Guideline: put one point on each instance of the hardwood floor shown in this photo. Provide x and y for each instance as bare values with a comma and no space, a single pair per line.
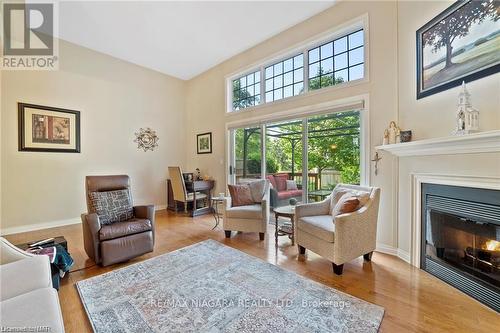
414,301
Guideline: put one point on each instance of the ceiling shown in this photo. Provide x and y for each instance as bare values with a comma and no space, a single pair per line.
182,39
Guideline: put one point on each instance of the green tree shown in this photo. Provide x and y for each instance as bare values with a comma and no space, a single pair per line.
323,79
458,25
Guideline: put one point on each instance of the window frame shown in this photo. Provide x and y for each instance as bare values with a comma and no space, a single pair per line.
338,32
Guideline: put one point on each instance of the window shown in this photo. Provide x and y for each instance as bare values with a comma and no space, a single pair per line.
246,91
285,78
338,61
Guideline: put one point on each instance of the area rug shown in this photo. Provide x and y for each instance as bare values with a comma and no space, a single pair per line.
209,287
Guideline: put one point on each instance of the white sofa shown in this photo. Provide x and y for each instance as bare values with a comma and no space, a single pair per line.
27,299
339,238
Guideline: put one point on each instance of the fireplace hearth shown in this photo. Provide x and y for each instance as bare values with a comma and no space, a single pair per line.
461,239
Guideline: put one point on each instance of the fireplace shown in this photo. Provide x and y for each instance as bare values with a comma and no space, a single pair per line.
461,239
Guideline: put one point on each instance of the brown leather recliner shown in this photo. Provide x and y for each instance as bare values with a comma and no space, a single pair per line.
119,241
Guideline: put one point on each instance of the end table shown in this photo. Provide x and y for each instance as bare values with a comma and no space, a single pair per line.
288,212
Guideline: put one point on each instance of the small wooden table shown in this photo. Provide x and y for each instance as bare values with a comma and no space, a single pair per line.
289,212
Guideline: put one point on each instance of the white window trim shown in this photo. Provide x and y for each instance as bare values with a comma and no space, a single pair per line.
361,22
304,112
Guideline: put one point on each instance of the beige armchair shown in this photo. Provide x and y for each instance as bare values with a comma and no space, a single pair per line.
343,237
251,218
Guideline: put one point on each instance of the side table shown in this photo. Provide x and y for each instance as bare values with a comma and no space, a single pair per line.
288,212
216,202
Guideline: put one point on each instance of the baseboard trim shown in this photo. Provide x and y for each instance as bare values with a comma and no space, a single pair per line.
387,249
393,251
403,255
39,226
52,224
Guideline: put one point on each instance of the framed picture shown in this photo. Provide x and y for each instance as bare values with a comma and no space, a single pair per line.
460,44
204,143
48,129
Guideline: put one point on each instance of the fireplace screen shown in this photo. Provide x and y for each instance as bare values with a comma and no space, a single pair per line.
469,246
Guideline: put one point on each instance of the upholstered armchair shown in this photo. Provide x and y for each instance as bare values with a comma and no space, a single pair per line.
343,237
111,243
249,218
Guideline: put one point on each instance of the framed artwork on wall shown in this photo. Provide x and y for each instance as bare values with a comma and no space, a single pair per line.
204,143
460,44
48,129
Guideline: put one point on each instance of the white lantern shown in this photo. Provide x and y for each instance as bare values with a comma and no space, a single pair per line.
467,118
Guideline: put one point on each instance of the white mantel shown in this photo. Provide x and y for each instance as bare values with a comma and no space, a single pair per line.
483,142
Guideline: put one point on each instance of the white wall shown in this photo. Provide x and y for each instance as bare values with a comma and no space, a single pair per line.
115,98
205,103
434,116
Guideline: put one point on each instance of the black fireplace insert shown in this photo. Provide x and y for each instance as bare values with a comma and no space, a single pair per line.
461,239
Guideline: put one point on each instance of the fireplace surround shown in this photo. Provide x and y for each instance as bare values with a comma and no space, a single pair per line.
460,239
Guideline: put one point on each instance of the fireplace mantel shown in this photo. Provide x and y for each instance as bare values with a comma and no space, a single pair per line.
483,142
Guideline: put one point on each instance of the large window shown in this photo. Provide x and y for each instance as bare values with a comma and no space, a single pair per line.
333,155
336,61
246,91
285,78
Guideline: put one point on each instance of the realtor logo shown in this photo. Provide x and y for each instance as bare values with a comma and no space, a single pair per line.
28,36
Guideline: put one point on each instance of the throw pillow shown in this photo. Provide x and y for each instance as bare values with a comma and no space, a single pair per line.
281,182
291,185
257,190
240,195
112,206
335,197
346,204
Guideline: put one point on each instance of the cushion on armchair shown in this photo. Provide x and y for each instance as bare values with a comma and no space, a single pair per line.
241,195
112,206
257,190
280,180
346,201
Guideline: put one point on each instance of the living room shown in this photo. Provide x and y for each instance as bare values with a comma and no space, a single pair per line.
336,168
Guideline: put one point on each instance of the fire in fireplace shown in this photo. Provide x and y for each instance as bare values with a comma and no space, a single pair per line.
461,239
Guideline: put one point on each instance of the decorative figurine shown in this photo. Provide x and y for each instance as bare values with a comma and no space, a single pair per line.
467,118
198,174
391,134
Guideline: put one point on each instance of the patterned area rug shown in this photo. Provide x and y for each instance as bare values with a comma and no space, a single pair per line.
209,287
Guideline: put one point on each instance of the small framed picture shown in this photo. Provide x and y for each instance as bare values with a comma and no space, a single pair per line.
204,143
48,129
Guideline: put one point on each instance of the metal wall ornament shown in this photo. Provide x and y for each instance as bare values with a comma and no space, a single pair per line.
146,139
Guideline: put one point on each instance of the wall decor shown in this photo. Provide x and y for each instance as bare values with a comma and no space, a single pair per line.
48,129
460,44
146,139
467,118
204,143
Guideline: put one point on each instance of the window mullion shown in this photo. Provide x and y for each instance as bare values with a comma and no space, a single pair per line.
306,70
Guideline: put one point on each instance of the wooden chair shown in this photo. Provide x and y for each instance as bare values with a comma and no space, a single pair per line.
180,192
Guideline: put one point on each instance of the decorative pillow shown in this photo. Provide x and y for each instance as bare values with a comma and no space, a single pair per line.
348,203
112,206
271,180
257,190
291,185
240,195
281,182
335,197
363,198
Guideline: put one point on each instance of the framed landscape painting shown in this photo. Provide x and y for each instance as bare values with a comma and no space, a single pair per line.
460,44
204,143
48,129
